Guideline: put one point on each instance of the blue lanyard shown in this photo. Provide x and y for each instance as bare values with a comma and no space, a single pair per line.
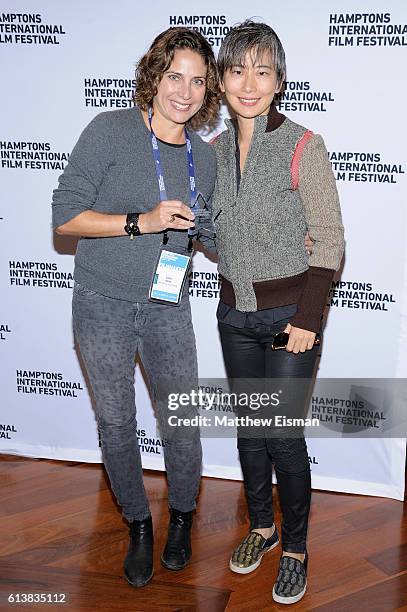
160,173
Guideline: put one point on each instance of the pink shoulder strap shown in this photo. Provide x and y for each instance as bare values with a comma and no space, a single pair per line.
295,161
214,139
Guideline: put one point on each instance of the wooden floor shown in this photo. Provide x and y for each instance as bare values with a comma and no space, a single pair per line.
61,532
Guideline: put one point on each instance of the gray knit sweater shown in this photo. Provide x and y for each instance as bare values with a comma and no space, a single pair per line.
261,226
111,170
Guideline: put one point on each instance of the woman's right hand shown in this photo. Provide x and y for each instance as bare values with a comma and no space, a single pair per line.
168,214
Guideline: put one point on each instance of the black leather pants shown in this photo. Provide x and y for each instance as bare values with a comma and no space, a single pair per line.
247,354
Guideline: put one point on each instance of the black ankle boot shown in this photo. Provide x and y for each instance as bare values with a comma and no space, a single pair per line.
177,551
138,565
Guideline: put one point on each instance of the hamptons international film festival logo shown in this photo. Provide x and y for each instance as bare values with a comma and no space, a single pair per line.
29,29
345,411
42,274
358,295
34,382
148,444
108,92
365,30
213,27
31,156
364,167
361,407
301,96
204,285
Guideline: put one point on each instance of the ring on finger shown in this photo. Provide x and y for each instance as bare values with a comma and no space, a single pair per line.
172,218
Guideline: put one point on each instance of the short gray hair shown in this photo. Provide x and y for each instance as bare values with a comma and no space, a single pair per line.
248,36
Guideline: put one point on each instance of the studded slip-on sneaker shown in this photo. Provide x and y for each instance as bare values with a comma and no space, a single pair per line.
291,582
248,555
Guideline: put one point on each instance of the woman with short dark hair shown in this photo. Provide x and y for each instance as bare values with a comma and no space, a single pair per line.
274,181
127,191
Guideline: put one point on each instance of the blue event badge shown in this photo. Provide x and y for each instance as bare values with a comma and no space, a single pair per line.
169,276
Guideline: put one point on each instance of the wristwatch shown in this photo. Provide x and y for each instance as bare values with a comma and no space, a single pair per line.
131,228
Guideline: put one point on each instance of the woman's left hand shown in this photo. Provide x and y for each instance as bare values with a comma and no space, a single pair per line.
309,243
300,340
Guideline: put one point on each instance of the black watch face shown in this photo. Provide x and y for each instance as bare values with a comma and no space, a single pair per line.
134,229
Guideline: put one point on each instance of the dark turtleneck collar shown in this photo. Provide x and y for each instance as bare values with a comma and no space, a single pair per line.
275,119
262,123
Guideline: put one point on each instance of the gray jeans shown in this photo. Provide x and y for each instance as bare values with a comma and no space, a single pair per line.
110,332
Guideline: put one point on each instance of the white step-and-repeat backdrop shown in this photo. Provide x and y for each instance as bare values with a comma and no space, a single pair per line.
64,62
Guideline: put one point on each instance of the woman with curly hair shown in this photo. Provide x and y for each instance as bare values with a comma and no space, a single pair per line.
127,193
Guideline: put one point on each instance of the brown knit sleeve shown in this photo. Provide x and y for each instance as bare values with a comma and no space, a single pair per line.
311,304
319,196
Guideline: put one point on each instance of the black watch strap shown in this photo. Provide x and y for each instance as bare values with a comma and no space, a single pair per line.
131,228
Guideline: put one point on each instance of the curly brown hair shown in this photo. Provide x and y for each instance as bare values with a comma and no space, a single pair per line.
152,66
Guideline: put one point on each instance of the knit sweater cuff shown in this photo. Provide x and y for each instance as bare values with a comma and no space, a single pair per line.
312,302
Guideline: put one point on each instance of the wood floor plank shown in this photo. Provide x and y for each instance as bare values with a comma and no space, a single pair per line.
60,528
375,516
392,560
386,596
98,591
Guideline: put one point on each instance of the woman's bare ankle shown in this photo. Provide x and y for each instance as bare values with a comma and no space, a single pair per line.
266,532
299,556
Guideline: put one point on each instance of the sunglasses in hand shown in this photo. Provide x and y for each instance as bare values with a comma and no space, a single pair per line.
281,340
